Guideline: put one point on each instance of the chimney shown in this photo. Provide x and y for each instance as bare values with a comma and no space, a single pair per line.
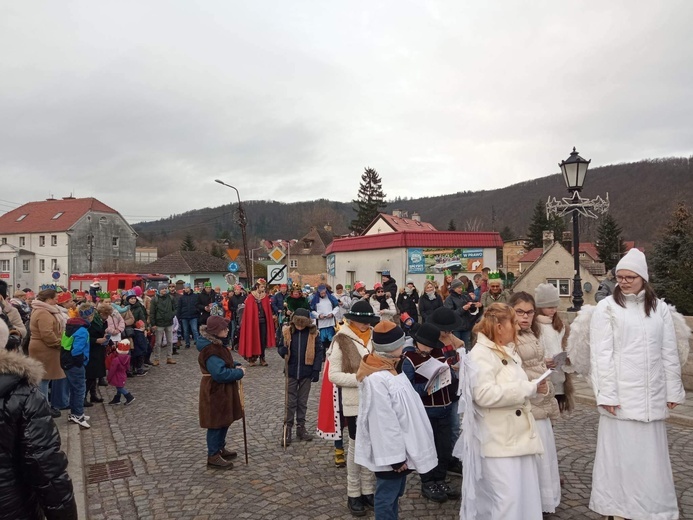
547,237
69,198
567,241
397,213
415,216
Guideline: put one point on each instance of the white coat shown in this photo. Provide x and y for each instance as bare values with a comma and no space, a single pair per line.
344,380
392,425
501,393
635,361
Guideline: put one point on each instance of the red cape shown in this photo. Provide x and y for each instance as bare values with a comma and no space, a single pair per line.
329,426
249,342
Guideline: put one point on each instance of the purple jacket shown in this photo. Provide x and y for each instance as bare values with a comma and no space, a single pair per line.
116,373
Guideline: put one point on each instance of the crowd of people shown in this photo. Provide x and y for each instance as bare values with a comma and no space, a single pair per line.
463,378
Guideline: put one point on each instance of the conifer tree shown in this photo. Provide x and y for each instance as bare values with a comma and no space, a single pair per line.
369,202
452,226
609,244
540,223
506,233
188,243
671,261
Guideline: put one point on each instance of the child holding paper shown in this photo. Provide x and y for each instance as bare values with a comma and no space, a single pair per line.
544,406
422,364
553,337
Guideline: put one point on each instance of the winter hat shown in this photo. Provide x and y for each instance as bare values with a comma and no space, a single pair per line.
302,312
85,313
139,325
137,290
80,295
362,312
130,294
387,337
386,273
322,287
377,286
546,295
634,260
410,281
216,324
404,317
446,319
186,286
63,297
429,335
359,285
162,287
456,283
151,292
124,346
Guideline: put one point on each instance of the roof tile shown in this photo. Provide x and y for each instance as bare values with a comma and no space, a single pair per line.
39,215
416,239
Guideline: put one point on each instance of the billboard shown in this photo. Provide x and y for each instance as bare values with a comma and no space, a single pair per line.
438,260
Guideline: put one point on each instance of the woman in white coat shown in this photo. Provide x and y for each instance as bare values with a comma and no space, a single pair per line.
506,487
636,375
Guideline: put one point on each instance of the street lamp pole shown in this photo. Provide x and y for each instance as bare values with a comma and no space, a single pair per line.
574,170
242,222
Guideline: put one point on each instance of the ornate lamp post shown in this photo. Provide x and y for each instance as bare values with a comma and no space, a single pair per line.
574,170
242,221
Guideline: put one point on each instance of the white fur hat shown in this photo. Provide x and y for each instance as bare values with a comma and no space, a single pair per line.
546,295
634,260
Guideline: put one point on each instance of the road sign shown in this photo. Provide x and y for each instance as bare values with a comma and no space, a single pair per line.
55,275
233,267
233,253
277,274
230,279
277,255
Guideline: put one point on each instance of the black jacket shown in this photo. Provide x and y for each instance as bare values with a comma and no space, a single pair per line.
187,306
33,471
408,303
203,300
391,287
456,302
427,306
139,312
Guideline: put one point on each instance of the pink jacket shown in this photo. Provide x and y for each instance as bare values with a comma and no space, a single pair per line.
116,372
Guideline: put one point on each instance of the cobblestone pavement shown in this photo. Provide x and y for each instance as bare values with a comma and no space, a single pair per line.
159,439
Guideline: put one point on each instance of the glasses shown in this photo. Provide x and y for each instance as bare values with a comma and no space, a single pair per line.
524,313
379,291
626,279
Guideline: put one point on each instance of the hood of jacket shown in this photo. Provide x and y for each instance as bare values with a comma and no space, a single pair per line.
73,324
15,366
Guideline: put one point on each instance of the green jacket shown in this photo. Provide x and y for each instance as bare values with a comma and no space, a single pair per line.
161,311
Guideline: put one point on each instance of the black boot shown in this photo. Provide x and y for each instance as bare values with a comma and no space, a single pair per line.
94,398
102,382
355,506
87,404
129,398
115,400
368,501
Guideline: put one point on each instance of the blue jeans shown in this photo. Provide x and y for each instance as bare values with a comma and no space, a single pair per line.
216,440
454,423
464,335
189,327
387,493
60,393
43,388
78,388
122,391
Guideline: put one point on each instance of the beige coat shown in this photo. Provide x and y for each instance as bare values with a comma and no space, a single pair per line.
501,394
345,355
532,354
44,345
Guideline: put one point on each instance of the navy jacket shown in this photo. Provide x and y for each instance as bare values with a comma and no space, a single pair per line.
297,367
187,306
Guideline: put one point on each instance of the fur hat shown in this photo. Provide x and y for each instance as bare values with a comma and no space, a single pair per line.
387,337
215,324
124,346
546,295
301,312
634,260
362,312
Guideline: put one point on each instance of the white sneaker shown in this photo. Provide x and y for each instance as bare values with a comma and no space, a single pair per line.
82,420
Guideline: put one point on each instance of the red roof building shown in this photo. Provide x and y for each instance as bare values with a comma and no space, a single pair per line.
398,221
49,215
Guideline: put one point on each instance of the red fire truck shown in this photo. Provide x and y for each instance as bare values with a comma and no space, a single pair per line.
114,281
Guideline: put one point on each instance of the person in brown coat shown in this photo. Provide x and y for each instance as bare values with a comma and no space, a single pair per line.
47,324
220,402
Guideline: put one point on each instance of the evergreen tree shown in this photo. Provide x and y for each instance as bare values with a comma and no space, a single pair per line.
369,202
188,243
217,251
452,226
671,261
506,233
609,244
540,223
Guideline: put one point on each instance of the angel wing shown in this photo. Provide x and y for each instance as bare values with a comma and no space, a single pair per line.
578,347
683,334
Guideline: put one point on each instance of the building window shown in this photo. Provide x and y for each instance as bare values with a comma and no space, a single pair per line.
42,240
42,265
26,266
54,264
563,285
115,242
350,279
54,240
293,264
5,266
22,241
3,240
103,220
57,215
20,218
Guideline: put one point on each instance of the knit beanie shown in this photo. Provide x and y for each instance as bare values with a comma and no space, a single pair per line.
456,283
162,287
634,260
215,324
546,295
139,325
387,337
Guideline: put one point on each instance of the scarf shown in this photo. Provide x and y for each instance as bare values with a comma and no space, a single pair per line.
382,300
57,313
372,363
408,290
431,295
364,336
544,319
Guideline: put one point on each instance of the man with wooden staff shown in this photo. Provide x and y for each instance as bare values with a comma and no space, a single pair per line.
220,400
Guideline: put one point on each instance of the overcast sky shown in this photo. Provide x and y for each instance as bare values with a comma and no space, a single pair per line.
143,103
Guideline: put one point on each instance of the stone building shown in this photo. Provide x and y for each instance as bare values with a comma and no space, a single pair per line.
307,256
44,242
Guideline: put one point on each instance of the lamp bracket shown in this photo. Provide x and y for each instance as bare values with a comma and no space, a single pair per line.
585,207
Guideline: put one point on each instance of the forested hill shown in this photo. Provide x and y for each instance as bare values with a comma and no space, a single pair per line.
642,195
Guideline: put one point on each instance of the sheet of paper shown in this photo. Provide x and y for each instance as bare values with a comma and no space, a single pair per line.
442,380
560,359
542,377
430,368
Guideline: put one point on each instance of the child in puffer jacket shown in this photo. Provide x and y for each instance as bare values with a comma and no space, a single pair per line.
118,364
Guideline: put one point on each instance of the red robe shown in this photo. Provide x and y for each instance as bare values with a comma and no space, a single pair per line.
249,342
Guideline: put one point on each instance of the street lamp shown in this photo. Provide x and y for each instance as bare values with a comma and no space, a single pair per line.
574,170
242,221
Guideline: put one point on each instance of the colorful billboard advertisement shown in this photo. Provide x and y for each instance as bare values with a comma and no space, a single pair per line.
438,260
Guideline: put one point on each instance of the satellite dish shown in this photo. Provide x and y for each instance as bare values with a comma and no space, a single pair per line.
230,278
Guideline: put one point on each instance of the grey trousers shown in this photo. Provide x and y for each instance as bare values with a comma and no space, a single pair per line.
159,335
299,390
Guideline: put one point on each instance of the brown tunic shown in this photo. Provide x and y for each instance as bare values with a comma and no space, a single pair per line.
220,403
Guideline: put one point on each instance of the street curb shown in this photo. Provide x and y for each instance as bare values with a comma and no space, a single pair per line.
72,446
674,418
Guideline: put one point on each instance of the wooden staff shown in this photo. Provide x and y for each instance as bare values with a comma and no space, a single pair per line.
245,433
